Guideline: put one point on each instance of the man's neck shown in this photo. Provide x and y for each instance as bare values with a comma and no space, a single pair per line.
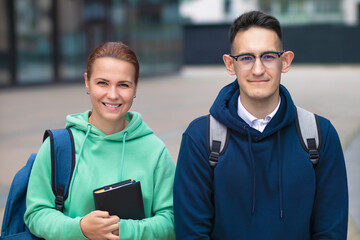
261,108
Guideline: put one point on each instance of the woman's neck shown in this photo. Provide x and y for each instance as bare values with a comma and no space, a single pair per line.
108,127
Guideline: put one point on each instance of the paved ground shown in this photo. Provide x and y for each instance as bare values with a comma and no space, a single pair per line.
169,103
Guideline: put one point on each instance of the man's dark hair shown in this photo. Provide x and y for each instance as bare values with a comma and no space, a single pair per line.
254,19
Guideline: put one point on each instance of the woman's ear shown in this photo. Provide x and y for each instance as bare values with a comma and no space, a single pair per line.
287,58
135,91
87,85
229,64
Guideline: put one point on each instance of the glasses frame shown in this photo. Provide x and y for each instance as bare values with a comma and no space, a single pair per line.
255,56
236,57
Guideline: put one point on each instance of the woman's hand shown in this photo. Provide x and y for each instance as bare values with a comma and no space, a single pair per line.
116,232
99,225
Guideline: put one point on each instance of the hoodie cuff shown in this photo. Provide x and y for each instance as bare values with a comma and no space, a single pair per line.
72,229
126,229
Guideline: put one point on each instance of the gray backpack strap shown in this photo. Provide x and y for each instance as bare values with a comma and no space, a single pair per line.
307,126
217,139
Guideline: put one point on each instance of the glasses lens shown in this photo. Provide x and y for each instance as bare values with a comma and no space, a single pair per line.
270,60
246,61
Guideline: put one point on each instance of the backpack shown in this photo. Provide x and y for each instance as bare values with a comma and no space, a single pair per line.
62,166
307,127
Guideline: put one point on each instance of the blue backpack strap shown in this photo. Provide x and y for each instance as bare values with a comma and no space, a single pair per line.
62,163
13,221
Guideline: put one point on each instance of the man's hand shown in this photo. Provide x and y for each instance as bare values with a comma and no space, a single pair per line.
99,225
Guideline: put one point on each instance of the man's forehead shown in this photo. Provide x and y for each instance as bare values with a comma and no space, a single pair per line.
256,39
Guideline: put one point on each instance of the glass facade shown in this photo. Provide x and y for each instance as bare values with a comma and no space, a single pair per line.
72,46
291,12
153,30
52,38
4,45
34,47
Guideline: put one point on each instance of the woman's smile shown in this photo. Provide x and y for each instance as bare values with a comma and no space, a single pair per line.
112,106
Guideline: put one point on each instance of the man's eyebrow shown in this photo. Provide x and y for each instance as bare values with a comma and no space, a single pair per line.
249,53
240,54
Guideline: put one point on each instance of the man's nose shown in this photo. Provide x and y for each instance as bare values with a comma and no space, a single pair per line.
258,67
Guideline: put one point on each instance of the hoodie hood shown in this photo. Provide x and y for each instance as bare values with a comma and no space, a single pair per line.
224,109
92,144
135,129
264,185
100,160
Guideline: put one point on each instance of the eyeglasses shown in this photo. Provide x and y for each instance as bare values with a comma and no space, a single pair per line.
246,61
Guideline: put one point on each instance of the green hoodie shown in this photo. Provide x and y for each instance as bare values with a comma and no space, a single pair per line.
134,153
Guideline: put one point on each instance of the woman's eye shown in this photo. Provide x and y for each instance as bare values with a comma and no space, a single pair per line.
102,83
124,85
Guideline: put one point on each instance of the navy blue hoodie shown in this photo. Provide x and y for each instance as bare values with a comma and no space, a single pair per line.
264,186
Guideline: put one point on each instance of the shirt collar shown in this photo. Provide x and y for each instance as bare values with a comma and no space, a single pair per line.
250,119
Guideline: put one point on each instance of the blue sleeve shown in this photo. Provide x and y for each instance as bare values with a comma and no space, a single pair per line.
330,212
193,208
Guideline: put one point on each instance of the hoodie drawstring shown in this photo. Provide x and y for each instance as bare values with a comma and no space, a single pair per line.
80,153
83,143
253,171
280,176
122,155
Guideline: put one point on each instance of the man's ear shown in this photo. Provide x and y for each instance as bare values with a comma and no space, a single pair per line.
87,85
287,58
229,64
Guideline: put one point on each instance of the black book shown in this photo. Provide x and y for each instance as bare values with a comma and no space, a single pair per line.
123,199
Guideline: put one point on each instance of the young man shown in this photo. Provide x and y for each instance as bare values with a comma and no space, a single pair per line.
264,185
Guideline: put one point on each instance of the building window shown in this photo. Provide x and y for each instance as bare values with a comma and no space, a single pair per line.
34,42
4,45
227,6
72,40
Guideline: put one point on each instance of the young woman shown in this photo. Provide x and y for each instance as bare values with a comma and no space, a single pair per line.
112,144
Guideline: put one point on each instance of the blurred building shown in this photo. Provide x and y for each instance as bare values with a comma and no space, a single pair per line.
289,12
318,31
43,41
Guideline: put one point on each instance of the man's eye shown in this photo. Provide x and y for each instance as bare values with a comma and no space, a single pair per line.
269,56
247,58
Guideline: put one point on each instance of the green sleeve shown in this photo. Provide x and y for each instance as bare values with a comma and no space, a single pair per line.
161,224
41,217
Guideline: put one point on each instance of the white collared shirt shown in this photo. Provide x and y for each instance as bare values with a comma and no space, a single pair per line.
256,123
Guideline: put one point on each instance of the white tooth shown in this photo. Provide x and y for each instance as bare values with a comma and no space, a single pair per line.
109,105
